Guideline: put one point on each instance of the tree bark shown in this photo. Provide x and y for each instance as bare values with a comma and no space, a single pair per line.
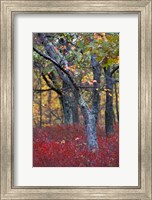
75,113
67,112
49,102
90,124
91,132
109,104
96,68
40,106
117,104
70,110
114,117
109,114
69,105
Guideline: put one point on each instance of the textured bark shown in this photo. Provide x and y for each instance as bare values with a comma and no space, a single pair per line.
109,114
67,112
91,132
40,106
117,104
70,110
109,103
49,102
69,105
75,113
96,67
114,117
90,124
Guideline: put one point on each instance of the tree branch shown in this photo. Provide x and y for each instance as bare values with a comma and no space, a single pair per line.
45,90
52,52
59,66
114,69
40,67
49,84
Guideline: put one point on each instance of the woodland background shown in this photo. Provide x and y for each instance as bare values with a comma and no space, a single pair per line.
76,99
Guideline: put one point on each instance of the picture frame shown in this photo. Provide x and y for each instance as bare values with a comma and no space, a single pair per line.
8,190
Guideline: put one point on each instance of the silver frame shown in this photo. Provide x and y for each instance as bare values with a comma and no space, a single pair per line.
8,10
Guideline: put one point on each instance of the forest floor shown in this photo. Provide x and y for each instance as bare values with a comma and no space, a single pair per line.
65,146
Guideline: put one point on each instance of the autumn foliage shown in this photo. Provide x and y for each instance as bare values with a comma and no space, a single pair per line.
56,147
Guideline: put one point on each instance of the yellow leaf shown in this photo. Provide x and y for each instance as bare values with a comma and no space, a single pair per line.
99,38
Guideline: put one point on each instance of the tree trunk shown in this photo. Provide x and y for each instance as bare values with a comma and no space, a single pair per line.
75,113
117,105
49,110
114,117
90,125
70,110
109,114
69,105
67,111
109,104
40,106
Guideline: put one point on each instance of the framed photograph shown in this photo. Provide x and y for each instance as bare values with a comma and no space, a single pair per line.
76,100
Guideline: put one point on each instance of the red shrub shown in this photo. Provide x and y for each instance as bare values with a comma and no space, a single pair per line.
65,146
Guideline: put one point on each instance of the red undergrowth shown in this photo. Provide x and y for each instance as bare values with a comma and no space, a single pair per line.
65,146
